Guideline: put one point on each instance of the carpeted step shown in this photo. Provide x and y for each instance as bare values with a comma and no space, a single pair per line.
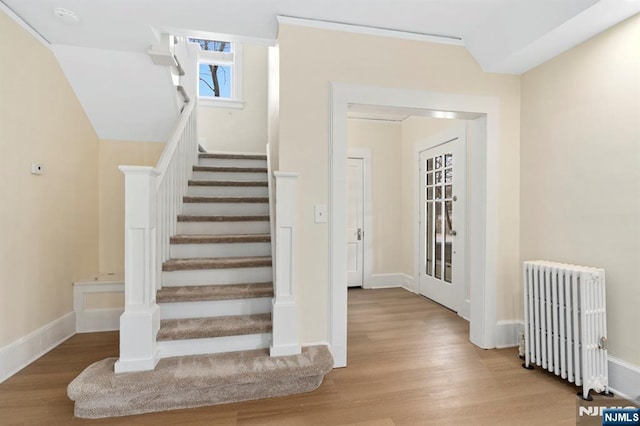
218,218
196,381
214,292
248,200
233,156
203,328
216,263
220,239
230,169
226,183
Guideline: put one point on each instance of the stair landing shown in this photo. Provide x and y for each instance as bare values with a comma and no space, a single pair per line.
196,381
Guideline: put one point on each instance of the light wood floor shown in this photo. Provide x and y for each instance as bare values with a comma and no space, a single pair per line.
410,363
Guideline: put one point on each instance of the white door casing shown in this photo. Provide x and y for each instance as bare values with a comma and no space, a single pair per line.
355,222
441,217
484,120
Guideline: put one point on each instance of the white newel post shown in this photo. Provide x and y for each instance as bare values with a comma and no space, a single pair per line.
285,312
140,321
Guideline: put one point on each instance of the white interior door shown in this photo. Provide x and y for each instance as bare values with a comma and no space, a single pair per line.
442,193
355,221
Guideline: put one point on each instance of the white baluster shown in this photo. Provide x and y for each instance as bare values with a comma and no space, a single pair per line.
285,313
140,321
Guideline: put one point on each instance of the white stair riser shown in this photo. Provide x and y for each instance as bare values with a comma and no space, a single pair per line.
230,176
216,276
214,345
185,251
215,308
225,209
228,191
229,162
223,228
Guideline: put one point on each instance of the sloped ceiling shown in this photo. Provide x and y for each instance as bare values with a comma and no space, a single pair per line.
504,36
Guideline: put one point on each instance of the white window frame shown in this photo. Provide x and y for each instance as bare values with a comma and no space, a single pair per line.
232,59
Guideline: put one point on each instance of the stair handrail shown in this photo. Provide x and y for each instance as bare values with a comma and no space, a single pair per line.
174,170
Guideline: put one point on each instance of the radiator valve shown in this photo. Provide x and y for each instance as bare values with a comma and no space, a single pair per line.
602,344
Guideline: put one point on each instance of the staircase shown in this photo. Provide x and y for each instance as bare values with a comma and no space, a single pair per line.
216,303
217,285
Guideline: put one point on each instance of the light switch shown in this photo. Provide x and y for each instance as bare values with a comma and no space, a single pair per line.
321,213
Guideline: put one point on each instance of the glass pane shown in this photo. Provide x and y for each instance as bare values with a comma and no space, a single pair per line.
429,178
437,240
438,192
448,191
438,161
429,193
448,175
438,177
213,45
430,164
429,232
218,87
448,241
448,160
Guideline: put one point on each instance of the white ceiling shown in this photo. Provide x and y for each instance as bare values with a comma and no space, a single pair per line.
136,100
503,35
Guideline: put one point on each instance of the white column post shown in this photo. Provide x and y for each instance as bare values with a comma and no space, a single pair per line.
285,312
140,321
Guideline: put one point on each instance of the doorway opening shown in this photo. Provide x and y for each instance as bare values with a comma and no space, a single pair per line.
482,115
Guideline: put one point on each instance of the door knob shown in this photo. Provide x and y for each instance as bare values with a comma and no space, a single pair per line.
453,232
359,234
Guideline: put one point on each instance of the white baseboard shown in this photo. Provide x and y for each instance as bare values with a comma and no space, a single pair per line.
17,355
508,333
390,281
409,283
624,379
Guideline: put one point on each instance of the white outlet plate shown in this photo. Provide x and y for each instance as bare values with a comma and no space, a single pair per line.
37,168
320,213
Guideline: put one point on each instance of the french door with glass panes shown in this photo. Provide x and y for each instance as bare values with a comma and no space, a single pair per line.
441,222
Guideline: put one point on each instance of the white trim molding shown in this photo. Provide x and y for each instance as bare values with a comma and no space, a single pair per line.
508,333
624,379
483,115
25,25
19,354
93,320
374,31
395,280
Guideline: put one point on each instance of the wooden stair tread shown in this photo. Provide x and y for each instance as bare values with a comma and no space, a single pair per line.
233,156
204,218
226,183
230,169
201,199
214,292
216,263
202,328
220,239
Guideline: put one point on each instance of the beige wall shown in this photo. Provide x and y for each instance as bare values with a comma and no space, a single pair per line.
240,130
580,169
309,60
383,138
111,189
49,236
